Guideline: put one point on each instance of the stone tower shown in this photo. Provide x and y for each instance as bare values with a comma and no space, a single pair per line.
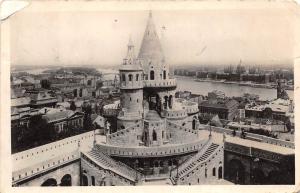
159,89
131,86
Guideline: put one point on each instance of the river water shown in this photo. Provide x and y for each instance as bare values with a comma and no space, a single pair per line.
185,83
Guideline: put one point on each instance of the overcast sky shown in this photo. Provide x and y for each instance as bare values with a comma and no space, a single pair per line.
206,36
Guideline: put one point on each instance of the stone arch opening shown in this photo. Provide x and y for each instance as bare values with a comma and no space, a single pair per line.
123,77
154,136
130,77
220,172
164,74
236,171
84,180
75,92
66,180
165,102
93,180
170,101
214,171
194,124
50,182
152,75
89,82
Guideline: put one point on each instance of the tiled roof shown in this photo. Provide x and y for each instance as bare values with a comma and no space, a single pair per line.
226,104
59,115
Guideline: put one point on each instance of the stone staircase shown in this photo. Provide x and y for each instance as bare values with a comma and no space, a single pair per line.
108,163
192,163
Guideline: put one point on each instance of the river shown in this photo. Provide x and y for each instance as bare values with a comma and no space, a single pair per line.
185,83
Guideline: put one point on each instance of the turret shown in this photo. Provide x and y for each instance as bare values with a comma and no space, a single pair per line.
131,86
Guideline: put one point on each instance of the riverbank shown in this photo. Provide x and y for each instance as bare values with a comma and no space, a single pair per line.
245,83
230,90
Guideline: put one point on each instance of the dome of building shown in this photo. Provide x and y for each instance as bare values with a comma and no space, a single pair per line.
152,116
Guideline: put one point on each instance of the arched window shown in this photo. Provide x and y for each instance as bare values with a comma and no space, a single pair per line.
130,77
194,124
151,75
214,172
123,77
220,170
154,136
164,74
137,77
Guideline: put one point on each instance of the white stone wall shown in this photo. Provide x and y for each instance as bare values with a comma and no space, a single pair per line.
72,169
197,176
132,101
181,134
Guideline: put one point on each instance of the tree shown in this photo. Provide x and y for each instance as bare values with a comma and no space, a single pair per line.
73,106
46,84
40,132
87,120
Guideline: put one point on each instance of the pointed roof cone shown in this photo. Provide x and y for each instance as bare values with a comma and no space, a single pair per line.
151,48
130,43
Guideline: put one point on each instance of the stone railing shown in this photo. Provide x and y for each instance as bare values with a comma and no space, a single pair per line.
131,84
160,83
195,157
45,166
54,146
253,136
190,107
196,165
173,125
160,151
123,131
107,163
174,114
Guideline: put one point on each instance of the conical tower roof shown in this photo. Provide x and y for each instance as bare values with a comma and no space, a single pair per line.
151,48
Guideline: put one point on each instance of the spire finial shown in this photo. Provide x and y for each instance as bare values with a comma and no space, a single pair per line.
130,41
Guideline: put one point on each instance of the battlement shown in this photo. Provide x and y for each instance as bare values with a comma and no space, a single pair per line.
160,83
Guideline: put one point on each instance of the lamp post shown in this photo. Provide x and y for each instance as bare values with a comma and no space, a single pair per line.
209,129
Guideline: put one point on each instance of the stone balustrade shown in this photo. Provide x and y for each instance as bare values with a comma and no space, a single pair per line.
160,151
46,149
160,83
175,126
174,114
105,162
195,164
123,131
45,166
252,136
131,84
190,107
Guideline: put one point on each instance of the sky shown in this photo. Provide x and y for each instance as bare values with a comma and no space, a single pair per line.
214,36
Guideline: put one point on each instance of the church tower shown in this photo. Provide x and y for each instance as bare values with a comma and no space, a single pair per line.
131,86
